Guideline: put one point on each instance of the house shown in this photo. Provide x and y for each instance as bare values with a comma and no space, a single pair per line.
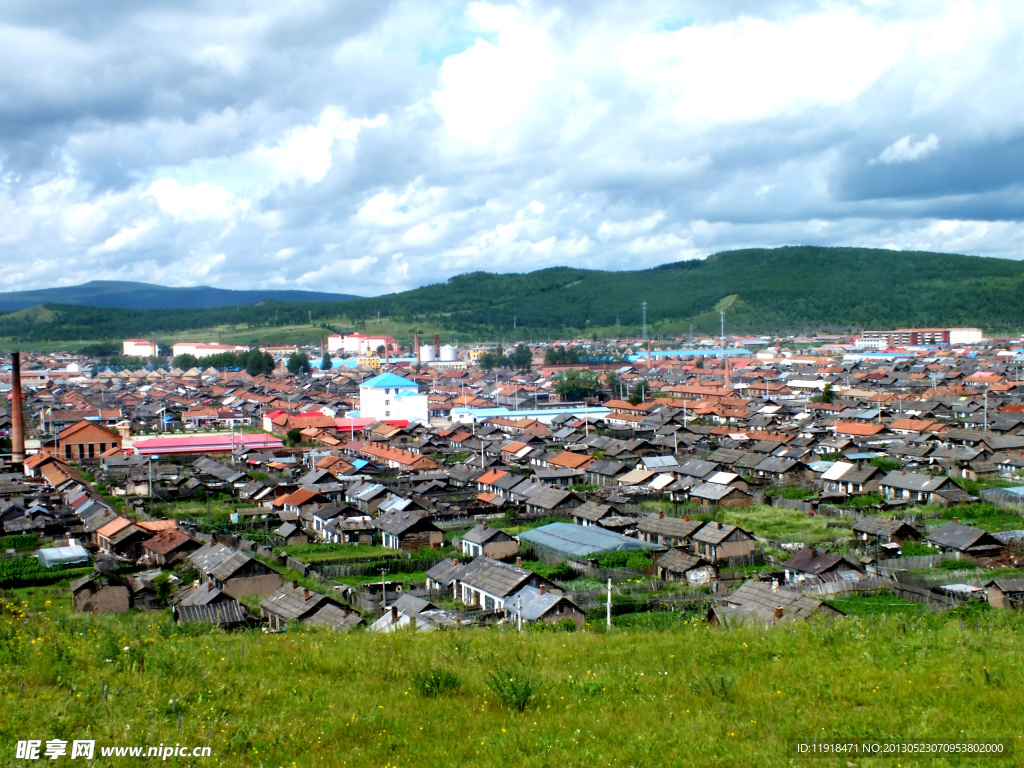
492,542
488,584
123,538
168,547
592,513
766,604
923,489
234,572
679,565
847,479
884,531
96,593
1005,592
423,615
668,531
389,396
718,494
809,562
720,543
441,577
962,540
294,603
533,604
291,535
227,614
552,501
85,441
408,531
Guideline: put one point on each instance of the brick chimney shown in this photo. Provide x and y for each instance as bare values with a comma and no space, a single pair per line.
778,612
394,614
519,562
305,594
543,589
718,525
661,515
813,551
686,519
483,526
956,519
295,585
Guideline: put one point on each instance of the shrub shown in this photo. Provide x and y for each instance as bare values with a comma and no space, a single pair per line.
515,686
714,685
915,549
436,682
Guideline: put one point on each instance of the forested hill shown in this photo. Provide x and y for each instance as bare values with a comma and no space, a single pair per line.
797,289
128,295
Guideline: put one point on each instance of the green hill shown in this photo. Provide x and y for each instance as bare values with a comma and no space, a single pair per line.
793,289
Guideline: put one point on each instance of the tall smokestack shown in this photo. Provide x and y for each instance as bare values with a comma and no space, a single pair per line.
437,345
17,416
416,343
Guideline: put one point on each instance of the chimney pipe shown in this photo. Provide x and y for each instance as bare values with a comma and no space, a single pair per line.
394,614
295,584
305,594
17,415
416,342
719,526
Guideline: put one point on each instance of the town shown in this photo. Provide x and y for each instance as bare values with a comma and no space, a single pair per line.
747,479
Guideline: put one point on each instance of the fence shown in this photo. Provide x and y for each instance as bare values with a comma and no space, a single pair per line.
395,565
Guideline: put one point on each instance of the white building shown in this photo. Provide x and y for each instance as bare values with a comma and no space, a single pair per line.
358,344
965,336
201,349
389,396
139,348
871,342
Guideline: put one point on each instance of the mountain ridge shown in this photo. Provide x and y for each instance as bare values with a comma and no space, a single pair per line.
125,294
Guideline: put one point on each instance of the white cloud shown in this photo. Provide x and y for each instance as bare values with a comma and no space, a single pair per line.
198,202
371,147
906,150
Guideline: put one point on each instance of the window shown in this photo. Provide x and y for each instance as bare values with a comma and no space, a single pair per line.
387,414
387,391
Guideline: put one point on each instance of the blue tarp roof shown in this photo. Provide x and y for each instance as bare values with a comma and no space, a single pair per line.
571,540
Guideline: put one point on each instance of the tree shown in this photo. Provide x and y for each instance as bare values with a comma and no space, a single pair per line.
636,396
269,366
186,361
828,395
521,358
254,362
327,364
298,363
576,384
294,436
490,360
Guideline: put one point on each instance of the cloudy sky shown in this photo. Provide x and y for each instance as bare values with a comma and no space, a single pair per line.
368,147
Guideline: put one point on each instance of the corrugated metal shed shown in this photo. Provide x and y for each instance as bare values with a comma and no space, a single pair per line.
570,540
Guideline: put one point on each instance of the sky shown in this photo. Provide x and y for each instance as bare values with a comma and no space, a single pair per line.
371,147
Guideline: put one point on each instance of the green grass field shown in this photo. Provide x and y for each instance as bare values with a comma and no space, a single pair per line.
677,692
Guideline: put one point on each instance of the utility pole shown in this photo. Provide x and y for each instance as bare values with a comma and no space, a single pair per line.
609,604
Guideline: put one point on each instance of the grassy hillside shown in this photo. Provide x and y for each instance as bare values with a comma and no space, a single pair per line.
689,695
796,289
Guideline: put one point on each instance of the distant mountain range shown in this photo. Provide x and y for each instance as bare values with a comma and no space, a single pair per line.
798,289
128,295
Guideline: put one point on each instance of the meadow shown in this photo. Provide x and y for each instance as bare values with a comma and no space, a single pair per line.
660,692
